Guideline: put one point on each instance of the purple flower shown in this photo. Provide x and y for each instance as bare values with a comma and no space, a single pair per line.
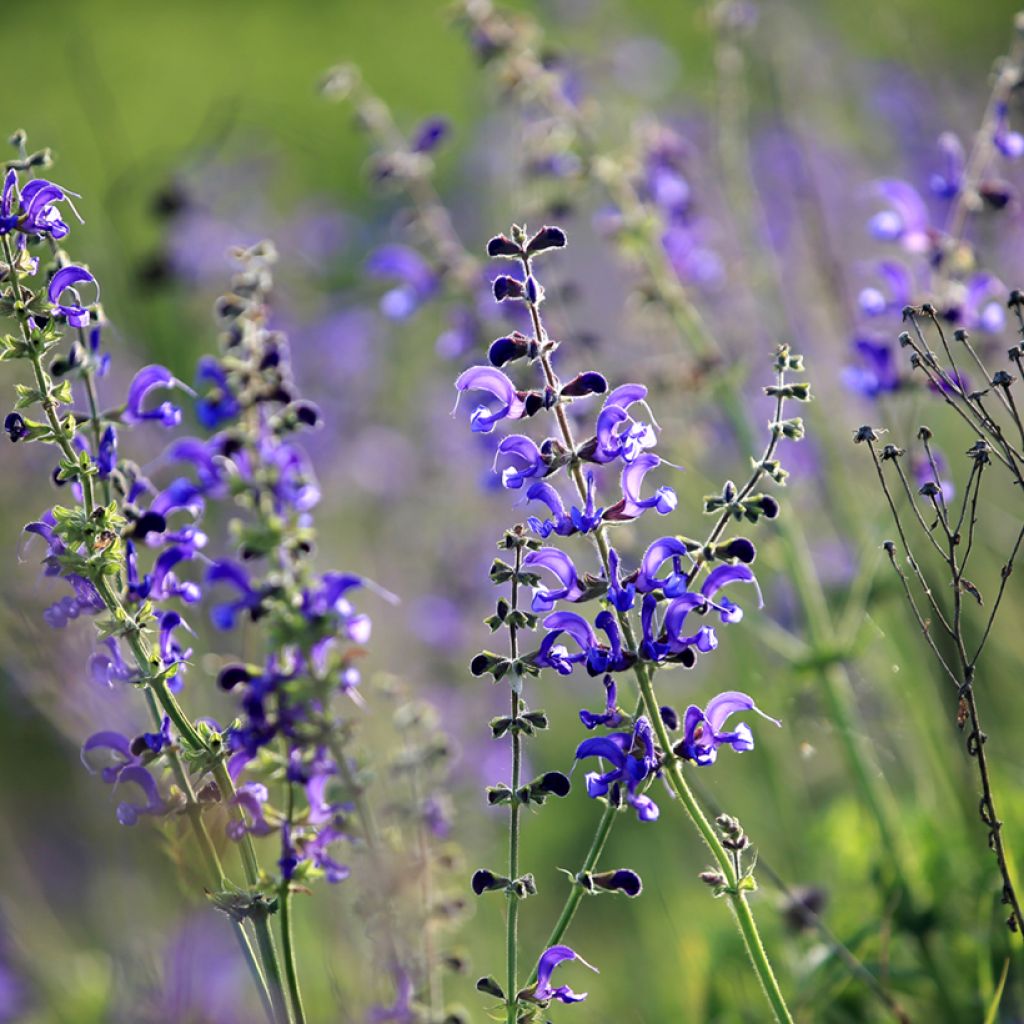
632,758
225,615
106,455
216,403
524,461
897,290
875,373
982,308
622,596
128,813
417,281
564,524
487,378
65,281
251,797
598,658
632,505
151,378
702,730
561,566
905,220
656,555
619,435
119,753
946,183
611,716
40,216
549,960
1008,142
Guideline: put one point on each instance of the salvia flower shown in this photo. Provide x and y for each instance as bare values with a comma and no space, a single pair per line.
487,378
633,760
703,729
64,296
543,991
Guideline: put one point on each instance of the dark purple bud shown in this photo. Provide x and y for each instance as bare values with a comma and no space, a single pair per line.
587,383
429,135
533,290
148,522
502,245
15,426
546,238
505,350
740,548
231,675
551,783
306,413
487,881
622,880
670,717
506,288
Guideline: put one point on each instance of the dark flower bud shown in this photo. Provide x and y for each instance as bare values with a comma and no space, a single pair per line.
924,433
534,291
486,662
490,986
960,335
889,547
670,717
996,194
506,350
546,238
739,548
499,794
764,504
147,523
487,881
1002,379
803,905
1016,299
891,452
506,288
903,338
502,245
535,401
715,879
231,675
15,426
929,489
548,784
622,880
587,383
306,413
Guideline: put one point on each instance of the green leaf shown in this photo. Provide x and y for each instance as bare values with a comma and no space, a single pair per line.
997,996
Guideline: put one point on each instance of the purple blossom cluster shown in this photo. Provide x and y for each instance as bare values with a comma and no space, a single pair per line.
607,474
134,554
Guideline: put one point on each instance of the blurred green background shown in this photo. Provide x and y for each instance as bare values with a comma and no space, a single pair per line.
141,101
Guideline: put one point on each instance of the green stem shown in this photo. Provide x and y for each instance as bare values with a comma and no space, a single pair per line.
604,828
250,865
287,937
512,924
